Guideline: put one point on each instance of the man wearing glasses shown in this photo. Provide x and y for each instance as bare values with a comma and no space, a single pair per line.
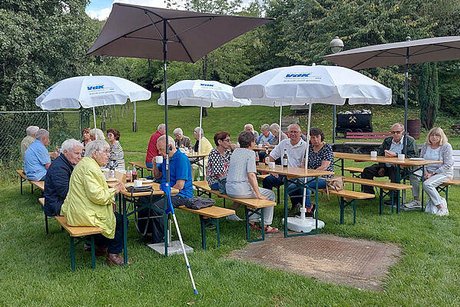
391,147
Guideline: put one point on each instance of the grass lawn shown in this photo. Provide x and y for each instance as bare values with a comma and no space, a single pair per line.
35,267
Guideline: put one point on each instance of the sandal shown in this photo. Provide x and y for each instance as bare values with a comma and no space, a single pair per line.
269,229
254,226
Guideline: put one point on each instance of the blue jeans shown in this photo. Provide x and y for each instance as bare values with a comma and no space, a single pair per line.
297,191
149,164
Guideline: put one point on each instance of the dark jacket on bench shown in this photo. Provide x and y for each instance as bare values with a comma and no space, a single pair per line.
57,185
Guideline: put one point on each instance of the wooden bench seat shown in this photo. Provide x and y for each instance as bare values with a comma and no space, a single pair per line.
348,198
23,178
79,232
251,205
212,214
445,187
38,184
383,186
354,169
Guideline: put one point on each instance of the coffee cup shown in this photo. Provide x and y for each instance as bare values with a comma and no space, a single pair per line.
401,157
137,183
373,154
159,159
271,165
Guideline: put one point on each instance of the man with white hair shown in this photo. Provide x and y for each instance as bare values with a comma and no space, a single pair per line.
180,178
36,158
28,139
182,141
58,176
152,150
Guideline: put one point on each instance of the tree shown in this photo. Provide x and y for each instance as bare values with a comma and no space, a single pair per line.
429,95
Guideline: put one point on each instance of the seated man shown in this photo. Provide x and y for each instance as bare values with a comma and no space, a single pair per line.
28,139
391,147
36,158
58,176
202,147
180,178
250,128
295,148
152,150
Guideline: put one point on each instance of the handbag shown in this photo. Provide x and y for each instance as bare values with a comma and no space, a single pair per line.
335,183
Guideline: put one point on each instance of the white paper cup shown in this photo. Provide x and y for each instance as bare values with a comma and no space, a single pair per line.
373,154
401,157
271,165
159,159
259,145
137,183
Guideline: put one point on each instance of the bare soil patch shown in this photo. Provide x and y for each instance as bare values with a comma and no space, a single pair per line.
359,263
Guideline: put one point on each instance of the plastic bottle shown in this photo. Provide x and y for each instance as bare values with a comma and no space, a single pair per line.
267,156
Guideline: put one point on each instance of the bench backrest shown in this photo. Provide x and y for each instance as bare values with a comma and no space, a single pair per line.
366,135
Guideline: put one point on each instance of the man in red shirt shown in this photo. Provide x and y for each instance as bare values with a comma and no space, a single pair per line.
152,150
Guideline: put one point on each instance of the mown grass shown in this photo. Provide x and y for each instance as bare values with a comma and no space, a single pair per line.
35,268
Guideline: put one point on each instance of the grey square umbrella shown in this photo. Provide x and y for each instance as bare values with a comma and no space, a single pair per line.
401,53
156,33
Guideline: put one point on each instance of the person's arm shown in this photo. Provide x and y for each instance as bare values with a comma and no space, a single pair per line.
156,171
252,178
97,193
47,165
447,159
382,147
179,184
412,151
327,156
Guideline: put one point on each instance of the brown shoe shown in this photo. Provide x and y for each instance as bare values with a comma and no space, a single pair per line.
114,259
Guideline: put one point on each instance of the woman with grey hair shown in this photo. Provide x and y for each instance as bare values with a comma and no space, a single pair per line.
180,139
242,180
90,202
435,148
202,147
275,130
96,134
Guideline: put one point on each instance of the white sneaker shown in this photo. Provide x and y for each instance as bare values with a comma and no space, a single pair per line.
234,218
415,204
442,211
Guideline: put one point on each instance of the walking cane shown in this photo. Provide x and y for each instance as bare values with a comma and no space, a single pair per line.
170,209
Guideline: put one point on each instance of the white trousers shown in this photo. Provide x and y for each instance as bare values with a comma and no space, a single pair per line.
268,212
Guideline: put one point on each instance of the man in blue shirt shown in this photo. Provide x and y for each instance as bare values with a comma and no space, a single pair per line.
180,178
36,158
265,137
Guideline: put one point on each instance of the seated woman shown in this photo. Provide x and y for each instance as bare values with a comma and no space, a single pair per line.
436,148
86,137
320,157
116,158
181,140
242,180
96,134
218,163
203,147
89,201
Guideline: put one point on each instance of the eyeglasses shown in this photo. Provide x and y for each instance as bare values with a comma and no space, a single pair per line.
225,140
395,132
294,132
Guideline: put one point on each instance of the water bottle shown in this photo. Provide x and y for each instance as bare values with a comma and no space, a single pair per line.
285,158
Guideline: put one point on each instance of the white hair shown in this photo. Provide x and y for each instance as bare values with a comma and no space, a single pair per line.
31,130
97,133
275,126
249,126
162,138
70,144
161,127
265,127
199,130
41,133
178,131
96,145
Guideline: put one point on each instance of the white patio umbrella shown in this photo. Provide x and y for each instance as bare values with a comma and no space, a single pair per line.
200,93
90,92
299,85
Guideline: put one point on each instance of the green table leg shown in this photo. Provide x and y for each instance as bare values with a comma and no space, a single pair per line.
72,254
93,254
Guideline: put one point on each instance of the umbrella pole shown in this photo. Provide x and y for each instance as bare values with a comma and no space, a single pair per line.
304,197
135,117
199,133
165,84
281,116
406,97
94,116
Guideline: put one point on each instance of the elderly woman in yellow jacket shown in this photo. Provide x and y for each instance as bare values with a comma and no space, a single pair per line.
90,201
